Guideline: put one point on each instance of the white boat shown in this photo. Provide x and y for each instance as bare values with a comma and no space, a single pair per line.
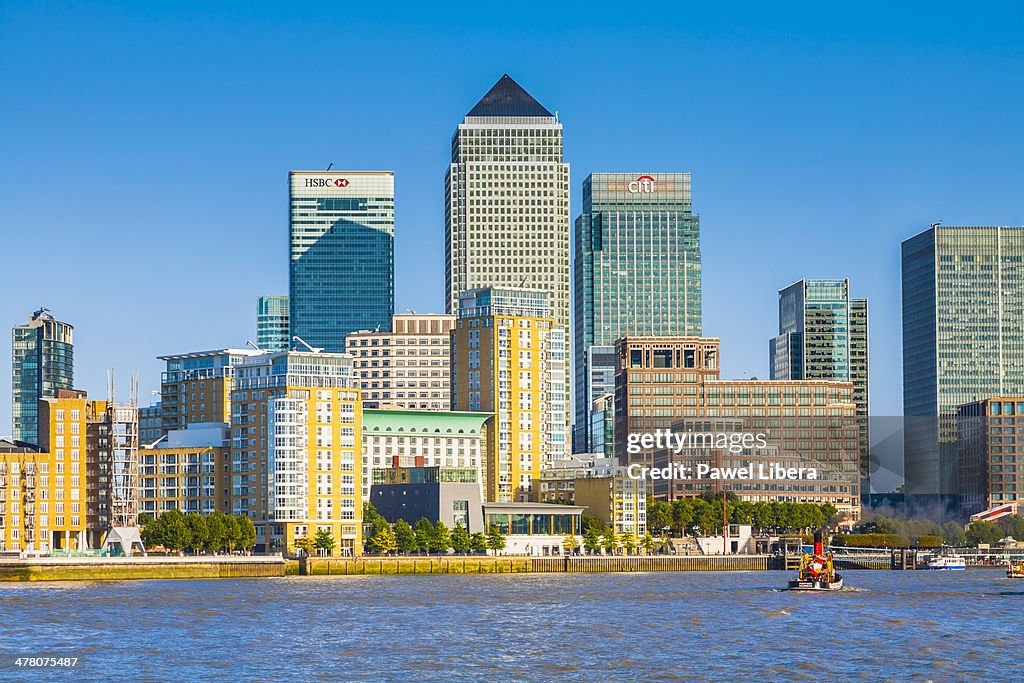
949,562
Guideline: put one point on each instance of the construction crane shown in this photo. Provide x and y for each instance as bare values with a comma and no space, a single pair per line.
312,349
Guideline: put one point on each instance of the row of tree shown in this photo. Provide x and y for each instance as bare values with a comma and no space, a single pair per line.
705,514
214,532
924,533
425,537
597,538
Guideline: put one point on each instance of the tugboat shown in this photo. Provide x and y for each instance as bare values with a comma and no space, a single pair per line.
817,571
947,562
1015,570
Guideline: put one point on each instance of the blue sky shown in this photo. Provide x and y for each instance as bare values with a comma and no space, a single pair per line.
145,148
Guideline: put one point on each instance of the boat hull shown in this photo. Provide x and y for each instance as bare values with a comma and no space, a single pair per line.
798,585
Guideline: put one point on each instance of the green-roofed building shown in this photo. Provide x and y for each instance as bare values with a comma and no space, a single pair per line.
422,438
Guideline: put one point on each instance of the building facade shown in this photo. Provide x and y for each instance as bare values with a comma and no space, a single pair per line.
963,311
185,471
446,494
618,500
509,359
823,334
637,271
196,387
296,429
272,328
422,438
42,363
507,200
990,453
341,271
408,367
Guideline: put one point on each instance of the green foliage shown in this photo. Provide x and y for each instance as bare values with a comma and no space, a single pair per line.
216,530
610,540
197,531
495,539
441,538
590,522
233,535
174,530
305,544
984,531
1013,526
405,537
424,532
871,541
929,541
384,541
629,542
570,544
324,540
146,519
246,532
478,542
659,514
460,539
592,540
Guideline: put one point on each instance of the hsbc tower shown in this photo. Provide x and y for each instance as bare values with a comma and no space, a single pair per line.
341,266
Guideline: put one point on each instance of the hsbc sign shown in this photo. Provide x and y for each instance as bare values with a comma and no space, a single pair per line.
326,182
642,185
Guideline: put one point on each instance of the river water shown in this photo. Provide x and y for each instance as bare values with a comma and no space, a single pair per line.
688,626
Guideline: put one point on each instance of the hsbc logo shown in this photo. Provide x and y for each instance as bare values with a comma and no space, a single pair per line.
326,182
642,185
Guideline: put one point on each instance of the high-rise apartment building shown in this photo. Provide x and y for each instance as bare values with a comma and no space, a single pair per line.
990,453
637,272
509,358
296,439
407,367
196,387
507,201
272,331
341,266
43,363
185,471
823,334
963,311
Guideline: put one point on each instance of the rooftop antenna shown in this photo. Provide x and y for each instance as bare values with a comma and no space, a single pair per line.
249,342
935,225
311,348
411,311
330,165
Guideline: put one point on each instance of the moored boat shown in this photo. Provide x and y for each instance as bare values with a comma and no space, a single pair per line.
947,562
817,570
1015,570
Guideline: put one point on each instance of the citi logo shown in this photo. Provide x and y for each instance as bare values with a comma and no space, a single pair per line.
642,185
326,182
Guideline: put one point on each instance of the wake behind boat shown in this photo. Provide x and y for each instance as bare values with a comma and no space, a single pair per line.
817,570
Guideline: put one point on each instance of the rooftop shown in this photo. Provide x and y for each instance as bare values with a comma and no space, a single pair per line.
507,98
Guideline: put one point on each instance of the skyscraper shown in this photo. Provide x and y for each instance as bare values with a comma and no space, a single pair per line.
342,268
43,362
507,200
963,312
272,323
637,273
823,334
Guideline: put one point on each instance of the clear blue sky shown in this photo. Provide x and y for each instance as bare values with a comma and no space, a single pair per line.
145,149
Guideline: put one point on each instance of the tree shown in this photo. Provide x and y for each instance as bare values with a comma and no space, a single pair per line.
460,539
682,515
233,533
306,544
152,533
495,539
478,542
246,533
441,538
590,522
610,540
570,544
984,531
370,514
592,540
175,535
659,514
629,541
146,519
424,532
217,531
197,531
384,540
648,543
405,537
1013,526
324,540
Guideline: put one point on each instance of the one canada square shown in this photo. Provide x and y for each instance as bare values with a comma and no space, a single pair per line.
507,200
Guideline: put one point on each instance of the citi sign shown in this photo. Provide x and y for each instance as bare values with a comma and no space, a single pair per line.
642,185
326,182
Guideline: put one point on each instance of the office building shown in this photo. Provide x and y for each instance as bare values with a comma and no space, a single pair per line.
185,470
618,500
990,453
196,387
42,363
823,334
438,493
507,201
637,272
673,384
536,529
963,311
557,483
341,270
509,359
272,330
408,367
296,429
422,438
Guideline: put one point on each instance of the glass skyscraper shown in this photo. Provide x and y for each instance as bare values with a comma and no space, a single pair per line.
963,316
43,362
637,273
507,200
272,329
341,267
823,334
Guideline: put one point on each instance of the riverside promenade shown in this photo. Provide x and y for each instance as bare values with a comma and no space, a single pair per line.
152,567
